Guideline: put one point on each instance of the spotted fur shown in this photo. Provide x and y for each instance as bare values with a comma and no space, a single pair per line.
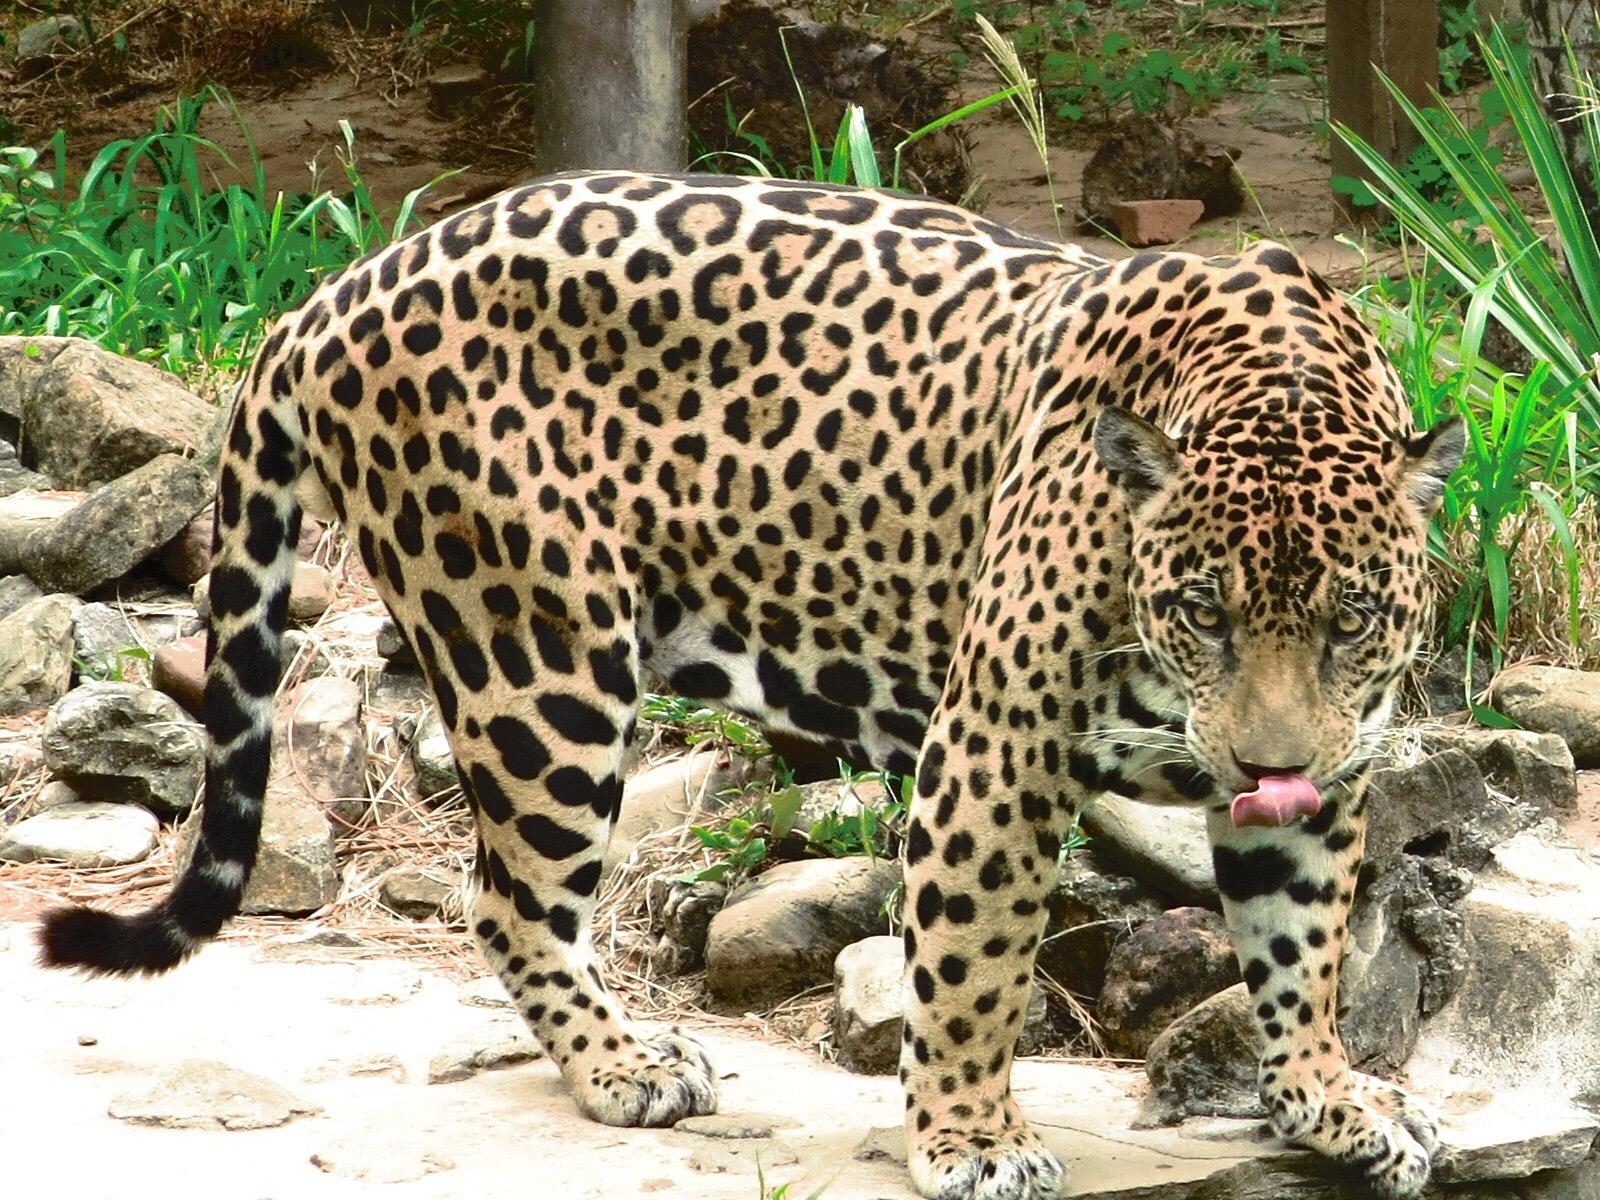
885,475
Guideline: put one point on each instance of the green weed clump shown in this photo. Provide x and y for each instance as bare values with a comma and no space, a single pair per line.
1533,450
146,253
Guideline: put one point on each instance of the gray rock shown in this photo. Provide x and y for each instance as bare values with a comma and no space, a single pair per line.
452,89
680,917
881,1145
1440,807
486,991
431,756
394,688
1092,908
91,416
54,794
1204,1064
196,1094
377,983
393,646
118,526
671,794
1159,972
869,1004
119,741
296,869
25,514
780,933
1533,768
1039,1029
15,591
39,42
1523,1014
1554,700
14,477
730,1157
498,1045
1407,956
417,892
1380,983
318,946
22,361
106,639
1444,678
35,655
310,592
82,834
329,747
1165,848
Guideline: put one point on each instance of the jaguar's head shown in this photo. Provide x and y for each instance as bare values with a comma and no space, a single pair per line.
1278,579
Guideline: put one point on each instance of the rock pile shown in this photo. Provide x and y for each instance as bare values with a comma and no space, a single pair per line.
108,498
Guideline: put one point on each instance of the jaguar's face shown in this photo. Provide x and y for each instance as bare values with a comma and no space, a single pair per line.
1280,587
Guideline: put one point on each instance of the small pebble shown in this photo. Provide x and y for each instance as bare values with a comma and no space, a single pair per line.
88,1039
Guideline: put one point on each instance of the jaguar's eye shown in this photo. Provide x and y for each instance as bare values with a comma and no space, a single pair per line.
1350,624
1205,618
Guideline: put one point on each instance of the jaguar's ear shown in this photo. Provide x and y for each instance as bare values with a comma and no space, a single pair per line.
1431,457
1143,458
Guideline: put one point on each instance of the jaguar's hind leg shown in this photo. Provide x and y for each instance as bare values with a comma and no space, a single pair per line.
541,766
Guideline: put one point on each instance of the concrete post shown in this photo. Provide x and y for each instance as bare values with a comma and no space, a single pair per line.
1400,38
610,84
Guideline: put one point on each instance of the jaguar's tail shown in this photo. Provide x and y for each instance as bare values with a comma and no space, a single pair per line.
253,554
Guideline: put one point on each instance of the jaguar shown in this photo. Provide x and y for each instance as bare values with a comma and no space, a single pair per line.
1034,527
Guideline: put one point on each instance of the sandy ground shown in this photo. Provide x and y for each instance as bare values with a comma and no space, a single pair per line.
313,1019
507,1132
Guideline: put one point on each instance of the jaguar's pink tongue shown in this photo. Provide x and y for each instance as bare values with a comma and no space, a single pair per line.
1277,800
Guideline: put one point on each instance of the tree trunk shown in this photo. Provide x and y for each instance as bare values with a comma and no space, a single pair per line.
1551,25
610,84
1397,37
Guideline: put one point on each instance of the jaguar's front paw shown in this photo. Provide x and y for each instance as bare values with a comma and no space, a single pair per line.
666,1079
1416,1116
1383,1134
956,1164
1382,1150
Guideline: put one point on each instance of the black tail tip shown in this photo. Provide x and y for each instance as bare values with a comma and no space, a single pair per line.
111,944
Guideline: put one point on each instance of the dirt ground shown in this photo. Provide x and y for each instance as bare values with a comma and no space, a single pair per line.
504,1132
351,1039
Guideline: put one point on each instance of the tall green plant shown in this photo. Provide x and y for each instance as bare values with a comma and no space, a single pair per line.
1532,442
1548,299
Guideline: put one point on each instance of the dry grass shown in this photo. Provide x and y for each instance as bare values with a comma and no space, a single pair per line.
1538,626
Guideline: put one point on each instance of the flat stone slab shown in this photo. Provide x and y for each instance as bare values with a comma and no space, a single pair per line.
196,1094
1512,1136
